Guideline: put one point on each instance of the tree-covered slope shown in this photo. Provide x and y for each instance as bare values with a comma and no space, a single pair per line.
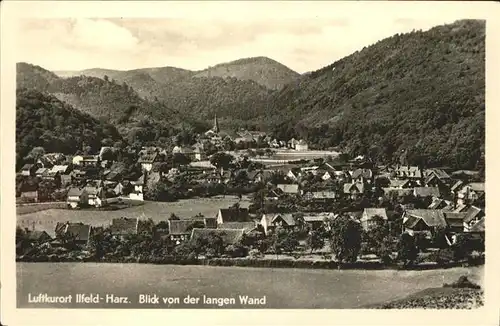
43,120
421,92
228,97
264,71
33,77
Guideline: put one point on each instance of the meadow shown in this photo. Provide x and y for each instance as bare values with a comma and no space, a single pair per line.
47,219
283,288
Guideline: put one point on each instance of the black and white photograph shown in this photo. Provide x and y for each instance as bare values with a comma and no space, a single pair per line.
316,162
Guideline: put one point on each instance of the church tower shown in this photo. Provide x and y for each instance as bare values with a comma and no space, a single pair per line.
216,125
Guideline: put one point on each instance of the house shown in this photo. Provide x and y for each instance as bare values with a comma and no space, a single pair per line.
354,190
423,221
362,176
292,143
302,146
247,226
273,195
96,196
478,227
270,221
309,169
439,174
180,230
274,143
78,175
210,222
77,197
229,236
86,160
434,181
214,177
147,160
316,221
53,176
456,186
289,189
80,232
30,196
123,188
185,151
399,184
45,162
294,174
369,214
320,196
38,236
471,192
137,193
124,226
424,192
232,214
355,216
66,180
327,175
29,170
408,172
455,221
398,192
199,153
62,169
40,173
256,176
438,203
473,215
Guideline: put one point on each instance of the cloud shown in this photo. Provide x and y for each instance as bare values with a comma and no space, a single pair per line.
301,44
101,34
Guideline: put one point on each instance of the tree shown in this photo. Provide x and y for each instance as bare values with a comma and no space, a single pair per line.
108,155
283,241
407,250
180,159
345,239
221,160
99,242
379,239
315,240
173,217
35,154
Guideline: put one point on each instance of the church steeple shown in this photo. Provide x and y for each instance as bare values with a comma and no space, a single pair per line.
216,124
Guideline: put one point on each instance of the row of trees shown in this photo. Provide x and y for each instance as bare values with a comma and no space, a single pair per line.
345,238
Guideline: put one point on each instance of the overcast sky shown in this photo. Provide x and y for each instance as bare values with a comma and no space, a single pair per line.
302,44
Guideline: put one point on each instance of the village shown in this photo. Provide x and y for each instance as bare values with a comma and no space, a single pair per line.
295,203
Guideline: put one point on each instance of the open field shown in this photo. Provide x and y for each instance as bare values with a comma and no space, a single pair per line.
281,156
283,288
46,220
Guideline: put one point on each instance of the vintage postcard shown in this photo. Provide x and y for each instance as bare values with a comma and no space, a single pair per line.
258,162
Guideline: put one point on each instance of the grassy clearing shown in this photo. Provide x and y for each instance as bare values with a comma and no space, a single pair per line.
46,220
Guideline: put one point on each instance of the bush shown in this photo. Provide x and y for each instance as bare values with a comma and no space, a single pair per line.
462,282
255,254
236,251
443,256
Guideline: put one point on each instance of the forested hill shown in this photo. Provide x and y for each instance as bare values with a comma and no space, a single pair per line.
421,92
178,100
262,70
146,82
43,120
34,77
116,102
